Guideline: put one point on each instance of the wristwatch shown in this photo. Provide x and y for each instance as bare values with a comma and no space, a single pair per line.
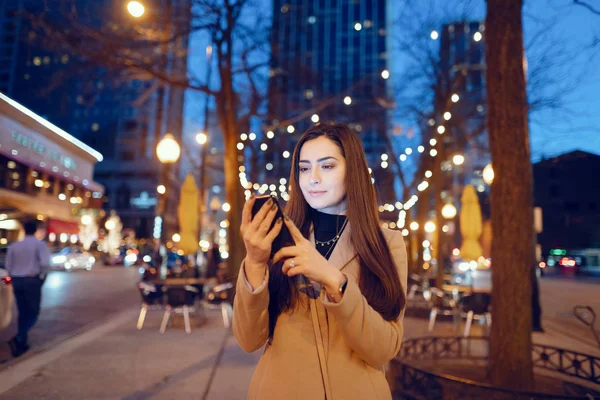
343,287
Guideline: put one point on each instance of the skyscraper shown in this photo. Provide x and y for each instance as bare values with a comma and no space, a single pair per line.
97,106
330,62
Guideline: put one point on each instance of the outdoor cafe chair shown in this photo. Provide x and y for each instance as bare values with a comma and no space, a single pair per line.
179,299
221,296
476,306
152,298
443,303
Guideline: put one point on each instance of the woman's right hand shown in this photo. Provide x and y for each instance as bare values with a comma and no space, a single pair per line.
256,235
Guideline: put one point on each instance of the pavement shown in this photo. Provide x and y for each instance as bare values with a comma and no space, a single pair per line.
114,360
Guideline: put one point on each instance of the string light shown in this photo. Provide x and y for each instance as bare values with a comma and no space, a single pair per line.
384,157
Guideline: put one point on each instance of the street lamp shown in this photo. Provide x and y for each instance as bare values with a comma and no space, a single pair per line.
458,159
201,138
168,152
429,227
449,211
488,174
135,8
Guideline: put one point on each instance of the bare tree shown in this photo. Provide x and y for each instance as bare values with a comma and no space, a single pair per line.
239,36
512,197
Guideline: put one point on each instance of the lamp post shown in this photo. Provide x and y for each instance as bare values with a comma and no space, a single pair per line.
202,138
168,152
215,206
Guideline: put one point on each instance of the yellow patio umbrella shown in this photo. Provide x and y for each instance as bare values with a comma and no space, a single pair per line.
187,211
470,225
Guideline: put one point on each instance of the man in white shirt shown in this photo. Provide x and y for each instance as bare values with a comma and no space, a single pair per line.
27,264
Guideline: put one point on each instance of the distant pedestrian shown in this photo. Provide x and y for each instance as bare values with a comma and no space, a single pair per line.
27,263
329,309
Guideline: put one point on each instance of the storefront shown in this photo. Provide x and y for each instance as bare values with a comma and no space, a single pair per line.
45,173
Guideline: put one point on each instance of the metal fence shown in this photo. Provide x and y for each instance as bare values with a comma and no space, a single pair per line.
414,382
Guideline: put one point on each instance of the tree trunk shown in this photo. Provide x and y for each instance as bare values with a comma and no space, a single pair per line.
233,189
511,198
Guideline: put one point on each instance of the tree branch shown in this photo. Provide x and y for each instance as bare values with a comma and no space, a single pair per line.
588,6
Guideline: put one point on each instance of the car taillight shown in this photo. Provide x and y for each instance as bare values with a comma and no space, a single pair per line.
7,280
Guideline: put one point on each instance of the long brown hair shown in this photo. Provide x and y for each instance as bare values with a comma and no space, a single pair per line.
378,280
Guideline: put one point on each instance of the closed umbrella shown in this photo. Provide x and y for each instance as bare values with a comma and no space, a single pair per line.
470,225
187,212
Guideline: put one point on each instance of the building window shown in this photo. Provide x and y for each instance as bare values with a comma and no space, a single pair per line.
123,196
127,155
571,206
37,61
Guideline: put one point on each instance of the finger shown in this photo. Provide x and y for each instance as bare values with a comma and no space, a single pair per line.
247,210
275,231
294,231
261,214
286,252
287,266
298,270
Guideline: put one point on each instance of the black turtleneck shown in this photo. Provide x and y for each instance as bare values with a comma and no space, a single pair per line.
327,226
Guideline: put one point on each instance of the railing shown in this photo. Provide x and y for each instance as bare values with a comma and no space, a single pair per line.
413,382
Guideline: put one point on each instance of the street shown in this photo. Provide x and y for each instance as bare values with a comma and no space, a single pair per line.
72,300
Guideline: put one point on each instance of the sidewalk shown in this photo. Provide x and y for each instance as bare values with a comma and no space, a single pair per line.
116,361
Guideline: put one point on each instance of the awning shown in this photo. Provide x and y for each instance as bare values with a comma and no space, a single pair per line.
58,226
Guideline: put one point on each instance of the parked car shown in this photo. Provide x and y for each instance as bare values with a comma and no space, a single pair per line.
6,299
69,259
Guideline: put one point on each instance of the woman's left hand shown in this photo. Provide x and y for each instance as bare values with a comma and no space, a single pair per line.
304,259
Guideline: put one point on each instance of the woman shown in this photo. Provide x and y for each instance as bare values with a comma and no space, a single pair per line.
329,308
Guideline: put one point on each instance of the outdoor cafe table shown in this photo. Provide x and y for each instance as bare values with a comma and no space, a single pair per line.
462,289
174,282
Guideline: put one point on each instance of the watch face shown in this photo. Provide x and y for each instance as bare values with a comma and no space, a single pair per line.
343,287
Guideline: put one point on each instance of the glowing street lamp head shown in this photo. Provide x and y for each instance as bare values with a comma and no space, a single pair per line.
488,174
136,9
449,211
168,150
201,138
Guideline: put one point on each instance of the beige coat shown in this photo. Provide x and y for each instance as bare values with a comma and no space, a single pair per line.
332,351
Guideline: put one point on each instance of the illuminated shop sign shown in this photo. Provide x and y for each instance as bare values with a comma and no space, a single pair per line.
39,148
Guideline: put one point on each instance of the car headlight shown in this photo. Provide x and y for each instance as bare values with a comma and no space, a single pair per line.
59,259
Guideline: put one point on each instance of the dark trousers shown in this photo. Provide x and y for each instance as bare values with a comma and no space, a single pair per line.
28,293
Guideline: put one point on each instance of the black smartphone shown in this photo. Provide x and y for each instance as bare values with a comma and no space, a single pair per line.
284,238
